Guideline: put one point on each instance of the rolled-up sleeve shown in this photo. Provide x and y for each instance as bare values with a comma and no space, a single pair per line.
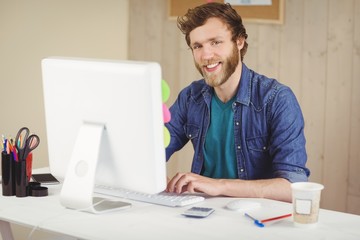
287,146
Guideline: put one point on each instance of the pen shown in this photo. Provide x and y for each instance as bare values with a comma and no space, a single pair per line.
276,218
257,222
260,223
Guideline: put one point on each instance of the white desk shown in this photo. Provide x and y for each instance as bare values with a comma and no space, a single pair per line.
145,221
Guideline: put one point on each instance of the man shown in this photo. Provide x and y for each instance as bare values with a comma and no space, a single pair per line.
247,130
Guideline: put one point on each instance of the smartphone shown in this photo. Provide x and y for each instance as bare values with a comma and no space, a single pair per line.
45,178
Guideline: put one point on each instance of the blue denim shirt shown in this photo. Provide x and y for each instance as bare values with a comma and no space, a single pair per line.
268,127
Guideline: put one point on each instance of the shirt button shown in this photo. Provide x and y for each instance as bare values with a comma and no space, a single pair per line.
237,123
264,148
238,147
242,170
190,135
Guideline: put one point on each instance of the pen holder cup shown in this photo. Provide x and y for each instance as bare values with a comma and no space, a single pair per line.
8,174
21,179
31,186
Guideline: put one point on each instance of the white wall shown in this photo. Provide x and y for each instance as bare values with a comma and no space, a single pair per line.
32,30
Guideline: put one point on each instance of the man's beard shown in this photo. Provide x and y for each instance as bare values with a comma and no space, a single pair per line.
228,68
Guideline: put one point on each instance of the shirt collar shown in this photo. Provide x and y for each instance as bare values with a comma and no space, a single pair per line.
244,90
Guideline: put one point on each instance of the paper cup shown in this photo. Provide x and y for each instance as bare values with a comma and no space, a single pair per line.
306,203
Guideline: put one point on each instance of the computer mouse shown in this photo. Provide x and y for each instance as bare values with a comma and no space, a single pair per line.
242,205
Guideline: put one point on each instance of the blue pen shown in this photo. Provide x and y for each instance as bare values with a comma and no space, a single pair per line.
257,222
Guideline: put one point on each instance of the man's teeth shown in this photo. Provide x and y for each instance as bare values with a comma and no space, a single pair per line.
212,65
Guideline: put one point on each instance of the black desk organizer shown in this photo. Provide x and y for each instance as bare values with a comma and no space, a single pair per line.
15,180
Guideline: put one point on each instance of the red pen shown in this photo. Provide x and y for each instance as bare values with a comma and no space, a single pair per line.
276,218
260,223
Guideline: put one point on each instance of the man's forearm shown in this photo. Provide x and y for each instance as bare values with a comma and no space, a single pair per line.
277,188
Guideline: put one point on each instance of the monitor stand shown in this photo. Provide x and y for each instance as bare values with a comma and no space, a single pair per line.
78,188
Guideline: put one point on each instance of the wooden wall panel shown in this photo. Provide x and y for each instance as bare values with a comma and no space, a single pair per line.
268,50
251,57
137,27
338,102
146,31
353,204
316,52
291,46
313,79
354,164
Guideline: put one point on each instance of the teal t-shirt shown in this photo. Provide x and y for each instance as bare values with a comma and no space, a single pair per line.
219,150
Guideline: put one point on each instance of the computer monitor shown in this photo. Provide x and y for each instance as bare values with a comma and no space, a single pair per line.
107,111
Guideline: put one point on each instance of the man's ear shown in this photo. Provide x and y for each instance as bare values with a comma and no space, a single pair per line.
240,43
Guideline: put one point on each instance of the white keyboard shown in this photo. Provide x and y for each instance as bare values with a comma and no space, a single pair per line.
163,198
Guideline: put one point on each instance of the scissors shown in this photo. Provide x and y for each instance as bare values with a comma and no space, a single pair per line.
25,143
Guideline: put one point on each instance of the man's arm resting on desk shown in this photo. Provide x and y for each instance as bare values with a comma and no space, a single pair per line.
276,188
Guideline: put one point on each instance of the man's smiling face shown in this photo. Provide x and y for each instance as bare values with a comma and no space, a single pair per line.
216,56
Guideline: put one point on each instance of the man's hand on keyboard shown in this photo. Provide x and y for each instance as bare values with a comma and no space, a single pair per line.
274,188
193,183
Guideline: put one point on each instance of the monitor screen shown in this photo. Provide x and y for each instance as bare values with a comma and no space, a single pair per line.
124,97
